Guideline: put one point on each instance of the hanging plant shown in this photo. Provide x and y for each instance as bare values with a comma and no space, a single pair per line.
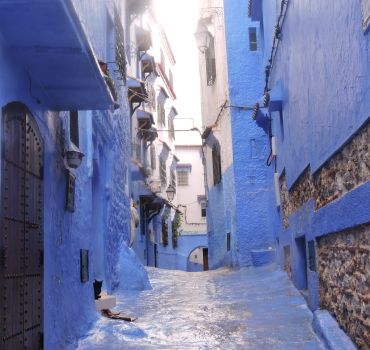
165,229
176,225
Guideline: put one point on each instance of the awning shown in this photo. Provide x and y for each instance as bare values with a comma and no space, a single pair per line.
143,39
147,64
145,119
136,91
47,38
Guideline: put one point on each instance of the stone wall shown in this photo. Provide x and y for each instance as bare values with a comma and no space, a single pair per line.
345,170
344,281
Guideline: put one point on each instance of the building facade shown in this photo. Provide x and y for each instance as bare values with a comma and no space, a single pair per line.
64,99
154,158
239,222
311,97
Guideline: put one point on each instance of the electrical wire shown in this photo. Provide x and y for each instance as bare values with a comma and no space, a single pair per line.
275,44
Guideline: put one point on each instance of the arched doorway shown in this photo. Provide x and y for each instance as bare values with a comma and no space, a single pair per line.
198,259
21,239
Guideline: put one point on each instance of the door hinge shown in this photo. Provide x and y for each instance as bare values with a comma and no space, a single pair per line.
2,257
41,257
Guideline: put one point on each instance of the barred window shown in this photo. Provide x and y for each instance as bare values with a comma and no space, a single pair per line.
216,160
183,178
211,62
163,171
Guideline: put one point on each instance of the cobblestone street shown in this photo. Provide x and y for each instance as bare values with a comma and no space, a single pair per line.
246,309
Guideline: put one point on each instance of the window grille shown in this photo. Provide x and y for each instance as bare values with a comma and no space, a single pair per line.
211,62
119,38
253,39
73,128
163,172
183,178
216,160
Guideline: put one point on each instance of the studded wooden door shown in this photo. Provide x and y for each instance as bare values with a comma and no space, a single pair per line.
21,239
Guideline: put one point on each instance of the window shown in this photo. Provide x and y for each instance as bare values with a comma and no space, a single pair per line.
162,172
211,62
183,177
228,241
161,116
216,160
152,158
171,128
203,206
253,39
73,128
136,149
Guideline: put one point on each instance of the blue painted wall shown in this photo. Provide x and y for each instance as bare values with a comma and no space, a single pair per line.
69,307
322,66
252,180
322,69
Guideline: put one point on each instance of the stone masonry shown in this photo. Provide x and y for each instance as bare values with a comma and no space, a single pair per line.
344,281
346,170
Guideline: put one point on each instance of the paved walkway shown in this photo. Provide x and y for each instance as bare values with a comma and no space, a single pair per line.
248,309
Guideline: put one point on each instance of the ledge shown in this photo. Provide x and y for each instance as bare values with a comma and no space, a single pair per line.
326,327
48,40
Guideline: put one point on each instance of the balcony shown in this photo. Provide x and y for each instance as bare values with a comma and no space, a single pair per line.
47,39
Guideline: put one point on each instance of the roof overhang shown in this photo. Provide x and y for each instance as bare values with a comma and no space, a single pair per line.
145,119
136,91
47,38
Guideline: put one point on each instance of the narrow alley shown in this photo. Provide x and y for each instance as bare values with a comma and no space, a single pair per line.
185,174
222,309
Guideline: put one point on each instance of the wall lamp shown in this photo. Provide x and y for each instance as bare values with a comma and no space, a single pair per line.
170,193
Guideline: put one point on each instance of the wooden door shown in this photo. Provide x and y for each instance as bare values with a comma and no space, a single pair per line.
21,239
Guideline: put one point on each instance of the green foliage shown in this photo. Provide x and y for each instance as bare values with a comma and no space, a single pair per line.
165,228
176,224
